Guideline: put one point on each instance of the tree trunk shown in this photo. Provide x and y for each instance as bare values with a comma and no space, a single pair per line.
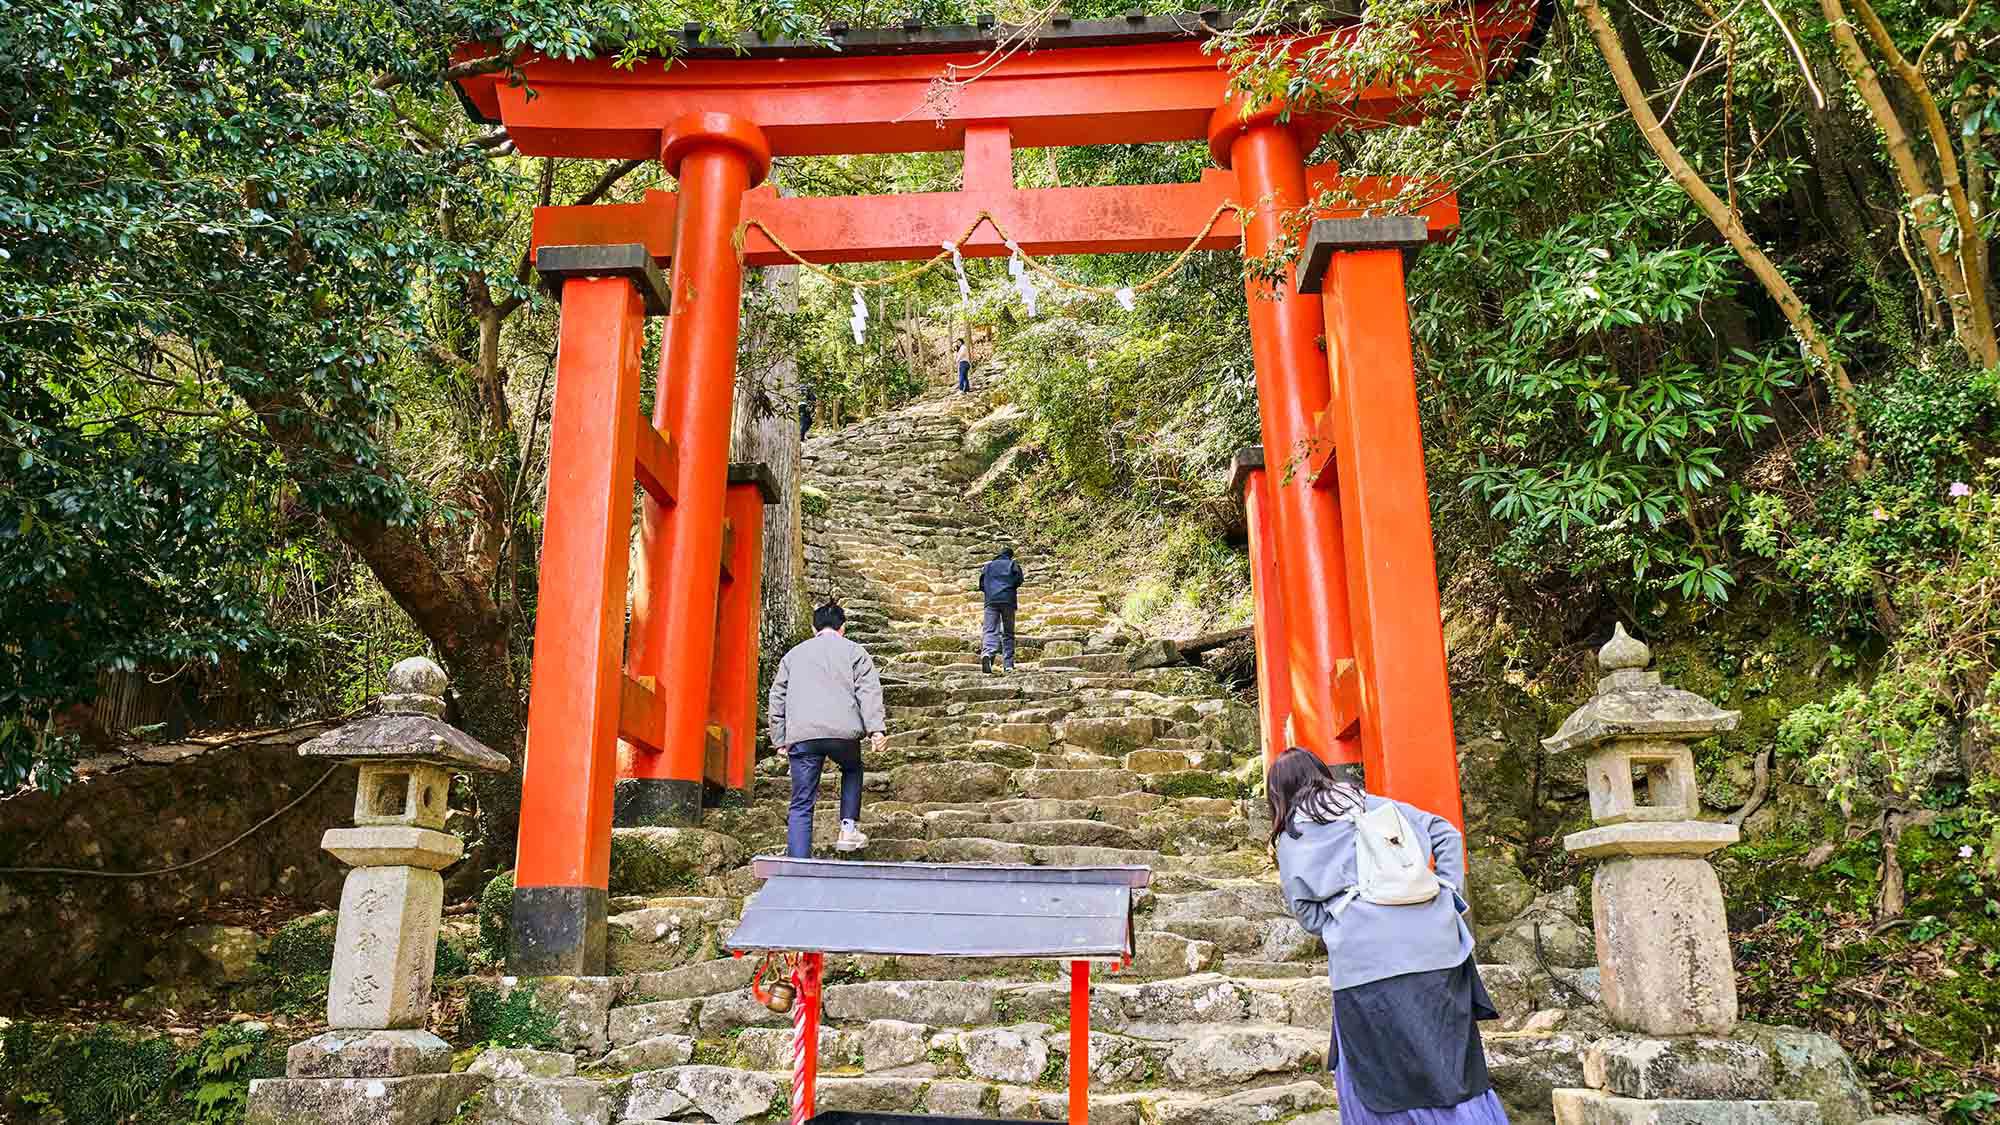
766,428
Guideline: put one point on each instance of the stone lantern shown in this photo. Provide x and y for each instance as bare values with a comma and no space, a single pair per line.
1668,980
1662,940
376,1055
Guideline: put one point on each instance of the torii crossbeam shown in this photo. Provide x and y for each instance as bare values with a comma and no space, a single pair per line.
1350,651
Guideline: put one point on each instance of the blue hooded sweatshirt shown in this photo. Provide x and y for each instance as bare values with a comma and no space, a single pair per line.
1369,941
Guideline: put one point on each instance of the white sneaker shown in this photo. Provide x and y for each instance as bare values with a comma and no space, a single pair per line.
851,839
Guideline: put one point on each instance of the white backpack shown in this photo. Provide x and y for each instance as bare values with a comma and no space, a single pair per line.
1392,865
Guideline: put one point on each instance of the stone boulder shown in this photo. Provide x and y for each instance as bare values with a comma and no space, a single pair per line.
720,1093
653,860
1696,1068
1497,889
1813,1067
1231,1056
547,1101
1015,1055
208,954
1526,1070
1547,934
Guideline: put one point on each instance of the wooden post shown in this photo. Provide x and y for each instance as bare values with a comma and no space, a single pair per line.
1409,750
578,695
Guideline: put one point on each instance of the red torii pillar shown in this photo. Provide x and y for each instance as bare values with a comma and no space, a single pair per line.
1376,464
1249,480
716,158
732,694
579,700
1292,387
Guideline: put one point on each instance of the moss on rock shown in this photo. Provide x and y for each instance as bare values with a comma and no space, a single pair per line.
496,913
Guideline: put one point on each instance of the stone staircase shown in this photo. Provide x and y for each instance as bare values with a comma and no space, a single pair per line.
1098,750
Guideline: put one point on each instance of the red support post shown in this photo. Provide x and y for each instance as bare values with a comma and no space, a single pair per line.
732,697
1079,1042
1292,386
716,158
576,697
1274,676
1408,745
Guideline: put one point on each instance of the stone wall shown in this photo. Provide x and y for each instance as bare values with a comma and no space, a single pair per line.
150,807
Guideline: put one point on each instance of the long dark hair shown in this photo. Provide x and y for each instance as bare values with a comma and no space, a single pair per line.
1299,783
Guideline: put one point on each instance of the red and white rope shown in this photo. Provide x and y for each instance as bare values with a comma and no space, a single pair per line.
800,1031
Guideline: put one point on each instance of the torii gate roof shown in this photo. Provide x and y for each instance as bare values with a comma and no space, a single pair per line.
1134,80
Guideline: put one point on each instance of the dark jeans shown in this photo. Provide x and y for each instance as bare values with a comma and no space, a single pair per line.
964,371
808,758
998,633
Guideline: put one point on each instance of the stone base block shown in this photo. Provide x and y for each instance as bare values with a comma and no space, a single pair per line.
368,1054
1634,1067
1595,1107
558,931
421,1099
660,802
549,1101
1663,945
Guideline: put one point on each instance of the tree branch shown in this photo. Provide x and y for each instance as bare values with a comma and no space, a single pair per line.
525,270
1972,260
1718,213
471,68
1917,186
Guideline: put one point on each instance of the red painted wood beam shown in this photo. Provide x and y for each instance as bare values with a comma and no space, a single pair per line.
639,715
880,228
883,103
658,463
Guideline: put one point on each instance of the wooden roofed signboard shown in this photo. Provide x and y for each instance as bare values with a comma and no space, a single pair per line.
941,910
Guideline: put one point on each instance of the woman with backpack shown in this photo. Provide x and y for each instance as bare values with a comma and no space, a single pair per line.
1357,870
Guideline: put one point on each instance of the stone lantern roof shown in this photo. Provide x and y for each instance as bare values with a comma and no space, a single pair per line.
410,727
1632,703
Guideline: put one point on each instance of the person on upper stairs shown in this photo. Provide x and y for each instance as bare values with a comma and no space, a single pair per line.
1382,883
998,582
964,368
826,696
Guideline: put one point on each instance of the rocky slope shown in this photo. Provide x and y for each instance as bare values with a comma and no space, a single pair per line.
1097,750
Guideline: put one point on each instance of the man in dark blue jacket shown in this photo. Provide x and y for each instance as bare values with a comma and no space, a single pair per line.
997,584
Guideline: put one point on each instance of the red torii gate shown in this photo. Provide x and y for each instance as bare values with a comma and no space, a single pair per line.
1350,650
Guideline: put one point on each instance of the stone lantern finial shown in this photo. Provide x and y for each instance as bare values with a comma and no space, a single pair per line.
1623,651
416,687
390,907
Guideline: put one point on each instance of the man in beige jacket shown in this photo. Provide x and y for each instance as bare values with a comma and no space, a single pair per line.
824,699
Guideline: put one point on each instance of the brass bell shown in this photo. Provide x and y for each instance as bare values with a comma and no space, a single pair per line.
782,994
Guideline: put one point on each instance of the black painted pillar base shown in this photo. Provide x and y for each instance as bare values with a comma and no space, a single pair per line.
656,801
558,932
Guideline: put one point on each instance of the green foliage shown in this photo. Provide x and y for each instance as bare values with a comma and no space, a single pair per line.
496,913
103,1073
235,240
1809,953
513,1019
1928,715
216,1074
